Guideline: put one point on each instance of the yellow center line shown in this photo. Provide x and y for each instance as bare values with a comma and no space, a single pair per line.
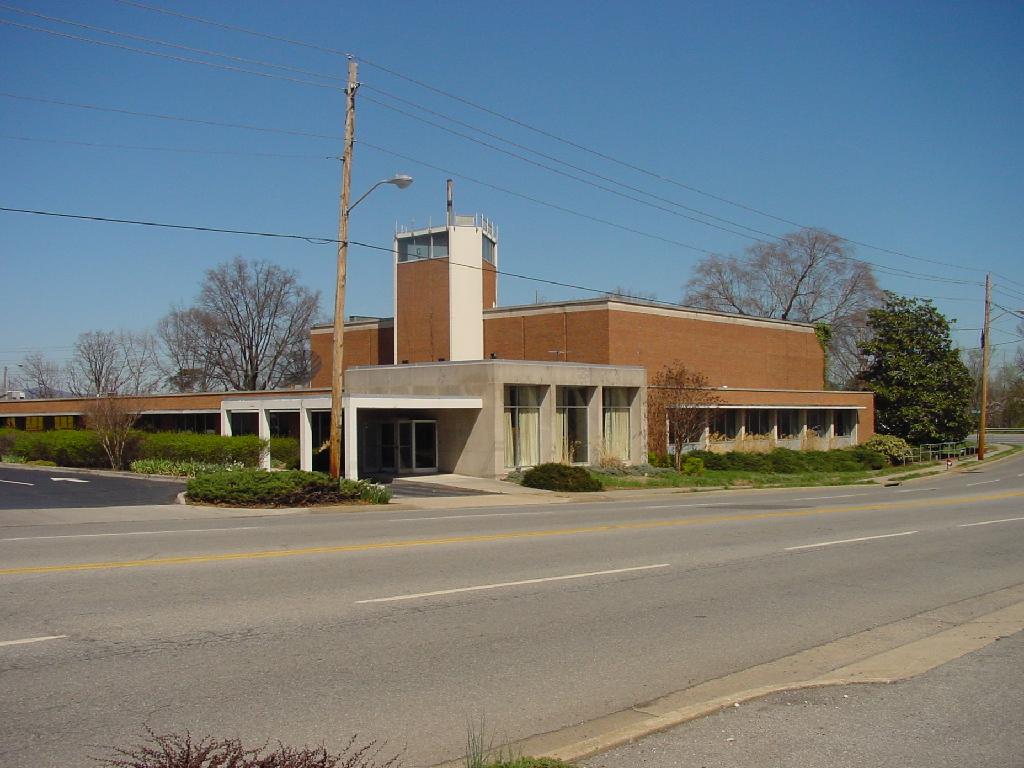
513,535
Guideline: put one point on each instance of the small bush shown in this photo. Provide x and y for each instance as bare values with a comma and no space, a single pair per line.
785,461
41,463
255,488
895,449
286,451
561,477
693,465
182,751
12,458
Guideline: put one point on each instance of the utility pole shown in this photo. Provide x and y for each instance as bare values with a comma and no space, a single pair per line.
337,359
985,346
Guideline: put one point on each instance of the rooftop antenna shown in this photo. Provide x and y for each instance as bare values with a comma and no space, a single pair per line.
449,185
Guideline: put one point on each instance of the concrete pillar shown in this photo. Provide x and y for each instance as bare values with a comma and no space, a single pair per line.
305,440
225,423
264,433
351,447
638,427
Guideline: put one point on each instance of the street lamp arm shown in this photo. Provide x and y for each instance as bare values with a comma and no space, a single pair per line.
365,195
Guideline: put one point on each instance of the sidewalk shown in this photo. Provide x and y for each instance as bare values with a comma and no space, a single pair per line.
969,712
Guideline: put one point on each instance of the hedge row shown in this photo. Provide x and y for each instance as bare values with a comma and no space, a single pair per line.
561,477
254,488
81,447
786,461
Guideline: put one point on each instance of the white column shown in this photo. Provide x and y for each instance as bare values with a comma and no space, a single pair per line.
225,422
264,432
351,448
305,440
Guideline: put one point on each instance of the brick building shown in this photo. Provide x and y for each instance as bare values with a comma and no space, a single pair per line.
455,382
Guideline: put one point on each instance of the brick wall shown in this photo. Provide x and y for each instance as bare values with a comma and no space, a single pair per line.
367,345
422,322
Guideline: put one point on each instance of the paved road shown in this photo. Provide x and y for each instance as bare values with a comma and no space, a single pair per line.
54,488
403,625
967,713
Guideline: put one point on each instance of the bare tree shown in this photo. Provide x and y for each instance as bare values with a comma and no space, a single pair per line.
809,276
187,361
678,408
112,418
42,377
249,330
621,291
109,362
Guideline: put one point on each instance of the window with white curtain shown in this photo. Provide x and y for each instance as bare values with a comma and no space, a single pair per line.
522,425
615,402
571,424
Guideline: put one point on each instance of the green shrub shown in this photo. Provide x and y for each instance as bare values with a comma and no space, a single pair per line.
662,460
175,468
561,477
208,449
693,465
255,488
895,449
286,451
12,458
785,461
41,463
62,447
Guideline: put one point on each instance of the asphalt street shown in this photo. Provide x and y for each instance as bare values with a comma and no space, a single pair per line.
405,625
55,487
967,713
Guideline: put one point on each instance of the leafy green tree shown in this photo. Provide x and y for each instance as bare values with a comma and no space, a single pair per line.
922,387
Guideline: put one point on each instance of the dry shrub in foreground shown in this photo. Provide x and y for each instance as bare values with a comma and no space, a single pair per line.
176,750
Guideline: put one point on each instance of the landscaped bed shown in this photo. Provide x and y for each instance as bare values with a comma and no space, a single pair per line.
256,488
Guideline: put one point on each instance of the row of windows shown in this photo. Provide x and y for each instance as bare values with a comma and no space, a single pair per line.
571,427
789,423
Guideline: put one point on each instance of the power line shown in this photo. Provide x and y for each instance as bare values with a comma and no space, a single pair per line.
175,118
534,129
318,241
156,41
892,271
171,57
184,150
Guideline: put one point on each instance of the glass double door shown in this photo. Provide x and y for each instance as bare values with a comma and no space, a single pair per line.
408,446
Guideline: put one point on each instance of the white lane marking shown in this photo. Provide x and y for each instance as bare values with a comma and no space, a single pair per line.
915,490
850,541
683,506
984,482
130,533
68,480
511,584
32,640
991,522
15,482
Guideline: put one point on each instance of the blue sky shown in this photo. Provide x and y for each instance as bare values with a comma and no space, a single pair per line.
895,124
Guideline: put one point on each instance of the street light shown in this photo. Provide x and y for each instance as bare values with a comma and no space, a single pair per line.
401,181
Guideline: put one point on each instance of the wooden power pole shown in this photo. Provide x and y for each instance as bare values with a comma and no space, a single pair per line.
985,346
337,358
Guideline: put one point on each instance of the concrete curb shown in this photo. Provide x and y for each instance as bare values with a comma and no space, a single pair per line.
96,472
885,654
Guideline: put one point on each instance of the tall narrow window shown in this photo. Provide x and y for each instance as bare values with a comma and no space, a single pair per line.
757,421
616,422
845,419
788,424
571,424
817,422
724,424
522,426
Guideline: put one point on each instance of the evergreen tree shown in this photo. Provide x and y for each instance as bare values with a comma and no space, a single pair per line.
922,387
